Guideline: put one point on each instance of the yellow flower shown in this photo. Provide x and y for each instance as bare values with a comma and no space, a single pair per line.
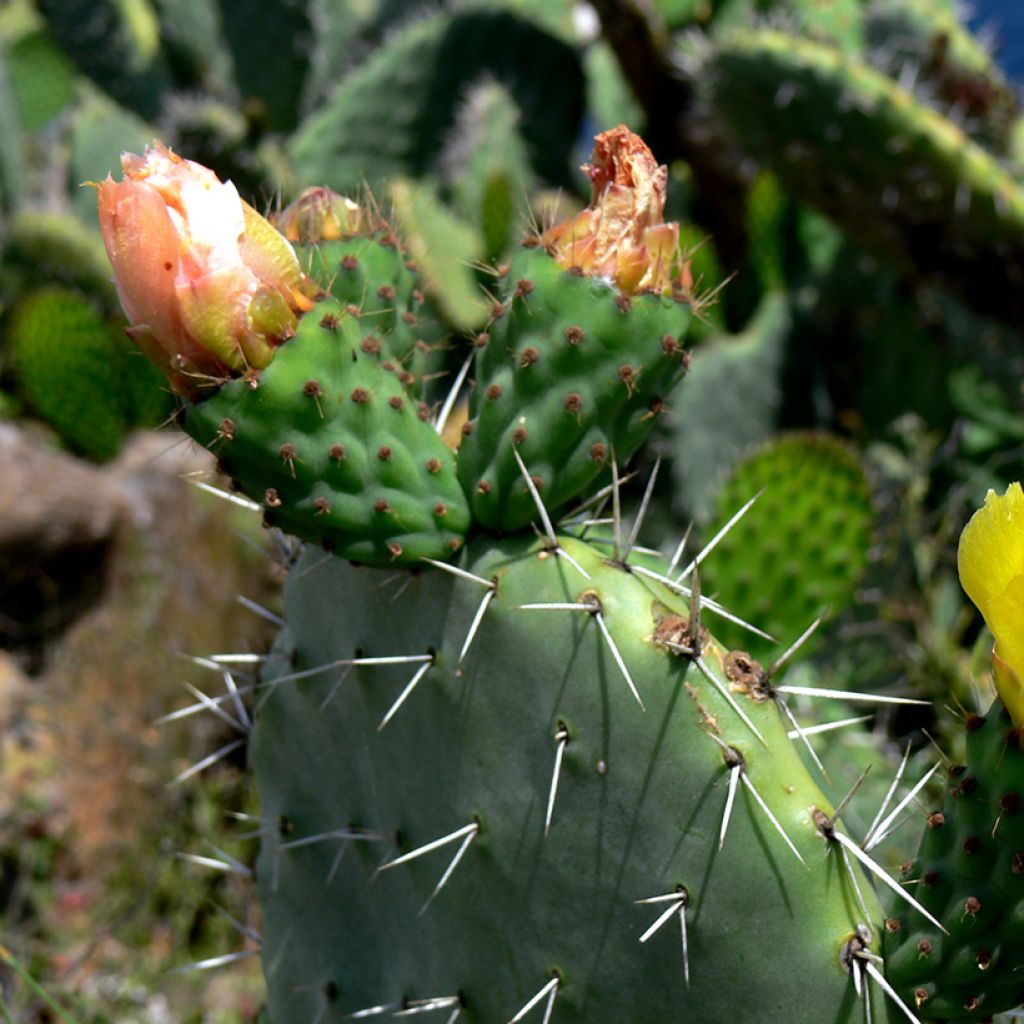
991,563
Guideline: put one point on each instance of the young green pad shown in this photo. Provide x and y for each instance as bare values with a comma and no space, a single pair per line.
328,441
572,373
803,546
969,872
373,276
500,840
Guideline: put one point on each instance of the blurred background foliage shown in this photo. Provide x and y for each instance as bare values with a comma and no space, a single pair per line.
848,178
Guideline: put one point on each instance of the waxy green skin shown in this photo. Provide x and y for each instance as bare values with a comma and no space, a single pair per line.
970,875
373,277
638,809
571,373
898,176
328,441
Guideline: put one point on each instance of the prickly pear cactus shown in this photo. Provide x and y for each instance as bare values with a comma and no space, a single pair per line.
507,771
490,816
357,469
969,872
803,545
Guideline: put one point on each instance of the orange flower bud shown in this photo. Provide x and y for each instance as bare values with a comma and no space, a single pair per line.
622,235
209,287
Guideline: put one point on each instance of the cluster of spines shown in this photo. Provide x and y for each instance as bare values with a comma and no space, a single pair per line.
969,872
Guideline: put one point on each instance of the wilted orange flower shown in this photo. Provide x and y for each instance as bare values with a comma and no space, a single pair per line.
209,287
622,235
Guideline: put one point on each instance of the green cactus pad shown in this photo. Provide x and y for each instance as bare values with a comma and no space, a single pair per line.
12,171
42,77
803,545
948,60
446,248
329,442
969,873
839,22
117,45
728,403
900,177
571,372
47,248
271,52
471,751
391,114
374,276
80,375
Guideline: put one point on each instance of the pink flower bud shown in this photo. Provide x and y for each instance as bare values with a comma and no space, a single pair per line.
622,235
209,287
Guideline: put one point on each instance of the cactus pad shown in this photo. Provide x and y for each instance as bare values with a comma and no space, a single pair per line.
900,177
969,873
802,546
330,443
364,766
80,375
572,373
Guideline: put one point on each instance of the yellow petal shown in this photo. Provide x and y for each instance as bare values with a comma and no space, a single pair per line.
991,563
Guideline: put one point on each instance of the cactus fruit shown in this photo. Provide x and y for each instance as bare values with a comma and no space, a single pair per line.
358,254
573,374
582,349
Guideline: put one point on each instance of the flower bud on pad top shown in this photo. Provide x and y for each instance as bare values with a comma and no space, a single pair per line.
584,346
622,236
353,249
210,288
301,406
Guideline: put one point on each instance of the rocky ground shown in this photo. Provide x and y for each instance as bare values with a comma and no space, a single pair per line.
109,577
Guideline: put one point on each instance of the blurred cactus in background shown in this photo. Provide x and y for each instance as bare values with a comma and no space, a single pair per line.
825,318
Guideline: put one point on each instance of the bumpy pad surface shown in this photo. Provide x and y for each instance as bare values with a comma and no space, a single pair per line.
804,543
372,275
570,371
471,753
80,374
328,441
970,874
